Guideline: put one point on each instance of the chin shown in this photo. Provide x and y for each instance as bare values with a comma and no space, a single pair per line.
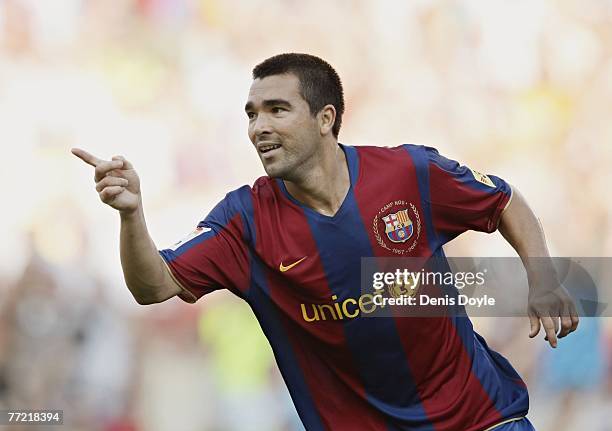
279,175
272,171
281,172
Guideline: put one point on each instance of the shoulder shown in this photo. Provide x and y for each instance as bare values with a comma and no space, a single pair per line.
418,154
385,150
244,199
243,196
236,209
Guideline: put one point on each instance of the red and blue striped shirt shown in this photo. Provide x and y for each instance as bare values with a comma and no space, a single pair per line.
346,371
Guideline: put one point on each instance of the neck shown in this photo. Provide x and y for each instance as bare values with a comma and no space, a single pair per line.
326,184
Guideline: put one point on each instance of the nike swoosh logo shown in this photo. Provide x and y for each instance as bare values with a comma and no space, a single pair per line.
288,267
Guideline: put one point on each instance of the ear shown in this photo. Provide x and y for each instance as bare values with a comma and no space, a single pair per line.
327,118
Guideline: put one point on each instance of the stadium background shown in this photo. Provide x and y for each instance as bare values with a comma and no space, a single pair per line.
521,89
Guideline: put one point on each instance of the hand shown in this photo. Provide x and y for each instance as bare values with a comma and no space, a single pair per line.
550,305
116,180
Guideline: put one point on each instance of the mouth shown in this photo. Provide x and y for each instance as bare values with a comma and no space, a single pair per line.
266,147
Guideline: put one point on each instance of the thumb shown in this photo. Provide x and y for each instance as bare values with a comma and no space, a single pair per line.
126,164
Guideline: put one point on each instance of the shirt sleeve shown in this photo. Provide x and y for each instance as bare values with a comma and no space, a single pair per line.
462,198
214,256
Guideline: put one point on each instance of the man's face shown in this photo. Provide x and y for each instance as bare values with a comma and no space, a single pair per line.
285,134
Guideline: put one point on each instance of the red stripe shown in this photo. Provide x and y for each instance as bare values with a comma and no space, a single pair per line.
451,395
320,346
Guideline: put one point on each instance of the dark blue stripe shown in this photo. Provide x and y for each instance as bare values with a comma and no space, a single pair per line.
272,326
217,220
169,255
373,341
498,378
463,173
352,161
421,165
242,199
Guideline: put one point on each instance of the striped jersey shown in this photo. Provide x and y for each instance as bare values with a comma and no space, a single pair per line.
300,271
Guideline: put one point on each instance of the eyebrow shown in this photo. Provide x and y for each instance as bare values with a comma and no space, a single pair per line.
269,103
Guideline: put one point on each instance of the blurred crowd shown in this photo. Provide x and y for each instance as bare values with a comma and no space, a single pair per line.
520,89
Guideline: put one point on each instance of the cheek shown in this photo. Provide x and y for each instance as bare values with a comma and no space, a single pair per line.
309,132
250,133
296,132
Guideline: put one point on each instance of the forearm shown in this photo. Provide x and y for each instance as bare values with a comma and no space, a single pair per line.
523,231
145,273
549,303
118,186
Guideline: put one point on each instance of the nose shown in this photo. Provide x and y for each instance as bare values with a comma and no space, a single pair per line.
261,126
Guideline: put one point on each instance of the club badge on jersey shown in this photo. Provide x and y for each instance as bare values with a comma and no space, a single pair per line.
398,226
402,225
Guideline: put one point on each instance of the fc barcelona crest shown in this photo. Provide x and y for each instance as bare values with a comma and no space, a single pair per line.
398,226
402,224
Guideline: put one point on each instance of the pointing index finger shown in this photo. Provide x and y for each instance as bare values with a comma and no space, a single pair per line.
90,159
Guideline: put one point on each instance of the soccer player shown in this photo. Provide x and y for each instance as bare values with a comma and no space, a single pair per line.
291,247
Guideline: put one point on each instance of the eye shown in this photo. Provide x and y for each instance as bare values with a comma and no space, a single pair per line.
251,115
278,110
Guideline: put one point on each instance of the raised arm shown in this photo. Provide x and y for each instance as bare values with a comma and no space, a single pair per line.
549,301
145,272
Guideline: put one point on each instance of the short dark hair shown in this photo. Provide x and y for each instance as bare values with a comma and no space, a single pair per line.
320,85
